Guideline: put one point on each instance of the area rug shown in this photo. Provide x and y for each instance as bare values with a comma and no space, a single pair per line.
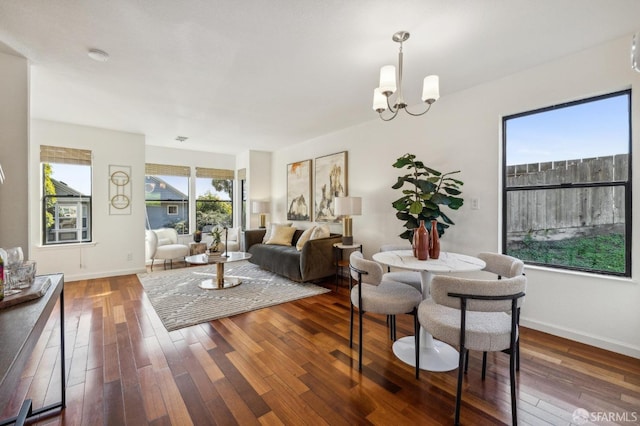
179,302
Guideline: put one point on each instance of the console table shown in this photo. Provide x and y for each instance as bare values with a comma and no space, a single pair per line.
20,329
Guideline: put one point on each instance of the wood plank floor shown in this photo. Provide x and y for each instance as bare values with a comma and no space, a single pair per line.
291,364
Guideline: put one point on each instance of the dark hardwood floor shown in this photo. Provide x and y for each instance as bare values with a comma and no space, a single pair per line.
291,364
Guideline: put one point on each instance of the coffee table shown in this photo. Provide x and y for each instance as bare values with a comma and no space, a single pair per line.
220,282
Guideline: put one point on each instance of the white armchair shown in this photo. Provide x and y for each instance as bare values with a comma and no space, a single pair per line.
163,244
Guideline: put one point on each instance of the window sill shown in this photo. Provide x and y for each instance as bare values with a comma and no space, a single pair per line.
591,275
65,246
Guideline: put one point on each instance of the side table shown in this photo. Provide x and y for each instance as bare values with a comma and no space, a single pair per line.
340,262
197,248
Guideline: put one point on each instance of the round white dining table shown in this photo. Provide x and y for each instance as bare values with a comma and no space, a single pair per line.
434,354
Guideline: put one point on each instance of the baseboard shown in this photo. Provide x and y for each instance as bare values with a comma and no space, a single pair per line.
104,274
586,338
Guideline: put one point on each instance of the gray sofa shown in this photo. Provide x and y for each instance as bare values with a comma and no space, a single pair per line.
313,262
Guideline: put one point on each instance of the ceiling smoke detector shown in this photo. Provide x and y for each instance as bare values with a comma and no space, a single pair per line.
181,138
98,55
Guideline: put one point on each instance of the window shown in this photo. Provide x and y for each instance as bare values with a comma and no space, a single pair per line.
214,197
567,185
66,200
167,197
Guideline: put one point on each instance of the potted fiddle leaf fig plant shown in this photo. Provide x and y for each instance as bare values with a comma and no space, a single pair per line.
426,192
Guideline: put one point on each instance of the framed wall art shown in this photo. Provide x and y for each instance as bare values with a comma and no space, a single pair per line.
299,190
330,182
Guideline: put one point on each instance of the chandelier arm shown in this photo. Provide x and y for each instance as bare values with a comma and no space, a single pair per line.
390,118
391,108
418,114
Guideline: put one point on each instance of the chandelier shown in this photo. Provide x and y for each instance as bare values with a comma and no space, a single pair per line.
381,95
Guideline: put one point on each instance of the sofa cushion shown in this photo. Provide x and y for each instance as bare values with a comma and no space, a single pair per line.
281,235
306,235
270,227
320,231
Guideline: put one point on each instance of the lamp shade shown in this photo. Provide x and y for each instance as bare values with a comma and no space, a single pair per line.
388,79
379,101
431,89
260,207
347,206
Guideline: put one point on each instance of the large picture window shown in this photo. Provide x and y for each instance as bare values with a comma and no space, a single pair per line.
66,200
166,189
214,198
567,185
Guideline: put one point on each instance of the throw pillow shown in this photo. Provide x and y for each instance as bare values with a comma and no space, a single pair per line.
306,235
270,226
320,231
281,235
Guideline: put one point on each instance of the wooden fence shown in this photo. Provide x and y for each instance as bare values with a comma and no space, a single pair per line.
543,210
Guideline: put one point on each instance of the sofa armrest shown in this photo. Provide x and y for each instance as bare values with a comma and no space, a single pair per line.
317,258
253,236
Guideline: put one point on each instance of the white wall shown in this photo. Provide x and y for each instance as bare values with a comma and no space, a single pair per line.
115,237
14,147
463,132
258,167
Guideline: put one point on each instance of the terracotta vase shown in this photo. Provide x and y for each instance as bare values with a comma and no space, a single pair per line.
421,242
434,246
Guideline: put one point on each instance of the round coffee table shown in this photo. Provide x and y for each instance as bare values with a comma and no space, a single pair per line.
220,282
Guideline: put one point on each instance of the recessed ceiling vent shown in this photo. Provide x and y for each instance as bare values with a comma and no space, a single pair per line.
181,138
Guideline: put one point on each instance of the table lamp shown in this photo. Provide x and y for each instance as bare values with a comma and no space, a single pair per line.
347,207
262,208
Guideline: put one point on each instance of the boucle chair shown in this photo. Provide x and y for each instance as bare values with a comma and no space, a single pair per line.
372,294
411,278
507,267
163,244
472,314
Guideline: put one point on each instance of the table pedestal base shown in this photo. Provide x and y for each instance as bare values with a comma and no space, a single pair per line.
213,284
438,357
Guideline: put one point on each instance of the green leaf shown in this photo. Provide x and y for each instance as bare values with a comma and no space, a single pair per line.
398,184
416,207
446,219
433,171
455,203
426,186
452,191
440,199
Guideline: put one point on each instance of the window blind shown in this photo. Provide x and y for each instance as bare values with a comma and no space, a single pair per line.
166,170
61,155
203,172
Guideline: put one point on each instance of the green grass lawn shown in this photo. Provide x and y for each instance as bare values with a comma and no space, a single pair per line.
599,252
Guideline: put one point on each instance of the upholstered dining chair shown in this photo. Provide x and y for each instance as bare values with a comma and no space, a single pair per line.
475,314
503,266
373,294
411,278
163,244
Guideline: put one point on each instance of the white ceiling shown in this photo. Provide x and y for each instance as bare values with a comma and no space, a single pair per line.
233,75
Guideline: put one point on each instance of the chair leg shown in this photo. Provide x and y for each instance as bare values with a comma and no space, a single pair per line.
466,362
416,330
518,355
463,352
152,264
484,365
351,327
512,380
393,328
360,340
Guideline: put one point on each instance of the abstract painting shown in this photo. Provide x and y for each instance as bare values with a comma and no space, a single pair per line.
299,190
331,182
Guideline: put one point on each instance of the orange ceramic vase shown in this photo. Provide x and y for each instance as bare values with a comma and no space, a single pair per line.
434,246
421,242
